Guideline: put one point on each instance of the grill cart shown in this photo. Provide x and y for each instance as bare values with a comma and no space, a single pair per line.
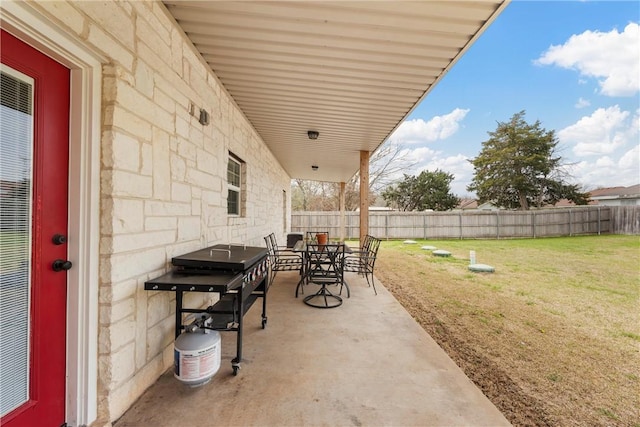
238,273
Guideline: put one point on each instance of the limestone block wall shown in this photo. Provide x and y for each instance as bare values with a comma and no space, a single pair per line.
163,181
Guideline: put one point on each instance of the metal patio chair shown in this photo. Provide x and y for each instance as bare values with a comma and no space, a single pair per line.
324,267
363,261
281,259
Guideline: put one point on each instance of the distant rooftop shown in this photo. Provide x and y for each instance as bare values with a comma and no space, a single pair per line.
631,192
608,192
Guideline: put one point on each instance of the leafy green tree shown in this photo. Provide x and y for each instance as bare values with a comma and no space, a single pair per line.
429,190
518,168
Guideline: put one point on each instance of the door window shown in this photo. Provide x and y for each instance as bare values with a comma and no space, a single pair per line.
16,142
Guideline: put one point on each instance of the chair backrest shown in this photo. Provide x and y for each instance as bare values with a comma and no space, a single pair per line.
270,246
374,244
325,262
366,242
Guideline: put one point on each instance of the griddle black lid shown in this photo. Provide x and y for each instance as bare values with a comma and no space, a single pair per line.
222,257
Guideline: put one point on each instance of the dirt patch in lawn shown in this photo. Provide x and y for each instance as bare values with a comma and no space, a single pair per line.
518,407
551,338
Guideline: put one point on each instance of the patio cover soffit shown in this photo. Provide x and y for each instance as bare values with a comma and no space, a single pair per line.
351,70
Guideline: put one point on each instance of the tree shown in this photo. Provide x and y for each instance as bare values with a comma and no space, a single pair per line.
429,190
518,168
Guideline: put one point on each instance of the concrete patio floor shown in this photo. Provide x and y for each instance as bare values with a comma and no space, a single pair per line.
365,363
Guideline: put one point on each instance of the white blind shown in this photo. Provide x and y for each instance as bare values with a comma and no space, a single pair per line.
16,134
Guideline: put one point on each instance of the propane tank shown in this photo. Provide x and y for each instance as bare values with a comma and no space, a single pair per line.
196,355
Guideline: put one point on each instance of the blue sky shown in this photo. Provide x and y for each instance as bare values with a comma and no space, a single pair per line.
574,66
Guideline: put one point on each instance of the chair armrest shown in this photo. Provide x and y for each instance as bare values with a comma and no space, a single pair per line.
286,255
355,255
363,257
286,252
355,252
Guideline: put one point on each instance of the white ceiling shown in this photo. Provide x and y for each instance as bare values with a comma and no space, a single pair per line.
352,70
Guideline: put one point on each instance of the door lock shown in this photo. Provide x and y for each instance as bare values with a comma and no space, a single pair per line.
59,239
60,265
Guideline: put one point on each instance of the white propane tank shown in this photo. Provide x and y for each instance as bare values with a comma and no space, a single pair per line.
196,356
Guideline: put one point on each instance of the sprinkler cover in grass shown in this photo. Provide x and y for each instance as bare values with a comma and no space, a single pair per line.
441,252
481,268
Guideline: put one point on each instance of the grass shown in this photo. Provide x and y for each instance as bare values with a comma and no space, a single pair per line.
13,247
558,320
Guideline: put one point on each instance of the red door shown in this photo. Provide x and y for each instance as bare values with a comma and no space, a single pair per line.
34,153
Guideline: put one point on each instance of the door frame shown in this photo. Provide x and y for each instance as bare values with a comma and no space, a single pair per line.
32,27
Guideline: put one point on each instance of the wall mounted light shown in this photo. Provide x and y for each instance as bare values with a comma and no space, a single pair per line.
313,134
314,167
204,117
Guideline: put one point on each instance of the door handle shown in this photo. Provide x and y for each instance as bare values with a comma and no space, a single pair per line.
60,265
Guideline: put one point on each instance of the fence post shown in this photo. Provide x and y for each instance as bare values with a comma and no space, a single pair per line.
424,225
497,224
598,220
533,223
386,226
570,227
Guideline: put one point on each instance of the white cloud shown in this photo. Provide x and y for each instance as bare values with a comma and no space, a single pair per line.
431,160
605,162
418,131
421,155
613,58
608,172
582,103
631,161
439,127
458,164
600,133
459,167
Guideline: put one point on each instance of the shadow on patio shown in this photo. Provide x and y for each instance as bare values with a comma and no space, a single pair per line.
365,363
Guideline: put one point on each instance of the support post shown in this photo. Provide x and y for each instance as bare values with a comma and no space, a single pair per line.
342,208
364,195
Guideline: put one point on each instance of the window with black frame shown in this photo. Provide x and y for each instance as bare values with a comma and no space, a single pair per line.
234,185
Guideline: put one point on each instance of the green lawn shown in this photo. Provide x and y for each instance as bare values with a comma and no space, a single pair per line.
12,250
559,318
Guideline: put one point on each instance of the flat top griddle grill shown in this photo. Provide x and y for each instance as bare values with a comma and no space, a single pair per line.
221,257
239,273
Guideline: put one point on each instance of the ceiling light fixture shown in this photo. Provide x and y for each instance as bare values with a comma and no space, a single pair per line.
313,134
314,167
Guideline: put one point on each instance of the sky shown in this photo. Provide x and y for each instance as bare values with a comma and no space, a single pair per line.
574,66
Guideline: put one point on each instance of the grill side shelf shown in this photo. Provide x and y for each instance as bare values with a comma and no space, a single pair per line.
175,281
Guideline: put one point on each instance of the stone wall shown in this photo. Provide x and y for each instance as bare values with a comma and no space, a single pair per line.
163,181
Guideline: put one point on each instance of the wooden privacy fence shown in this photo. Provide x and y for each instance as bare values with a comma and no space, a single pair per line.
625,219
477,224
